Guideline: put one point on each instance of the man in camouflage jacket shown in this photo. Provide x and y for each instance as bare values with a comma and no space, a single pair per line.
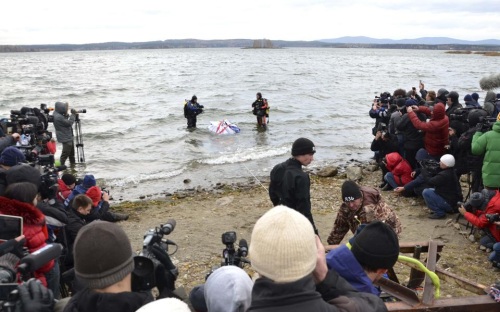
361,205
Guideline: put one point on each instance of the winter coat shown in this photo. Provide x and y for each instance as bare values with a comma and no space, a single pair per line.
385,147
34,229
479,219
413,139
436,130
342,260
75,222
90,301
62,123
489,144
399,167
290,186
63,192
333,294
489,103
447,185
373,207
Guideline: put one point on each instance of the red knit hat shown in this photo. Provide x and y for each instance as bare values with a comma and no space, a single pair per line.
95,194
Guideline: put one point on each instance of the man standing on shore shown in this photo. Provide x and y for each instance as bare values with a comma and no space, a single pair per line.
290,186
64,131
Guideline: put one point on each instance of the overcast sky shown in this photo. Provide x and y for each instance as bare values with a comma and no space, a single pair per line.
90,21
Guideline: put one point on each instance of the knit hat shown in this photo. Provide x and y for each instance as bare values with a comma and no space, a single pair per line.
228,288
401,102
467,98
283,245
68,178
475,96
453,95
350,191
376,246
442,92
476,199
88,181
95,194
103,254
410,102
303,146
23,173
11,156
165,304
448,160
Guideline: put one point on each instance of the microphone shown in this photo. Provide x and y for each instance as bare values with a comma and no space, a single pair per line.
490,82
61,168
39,258
243,250
168,227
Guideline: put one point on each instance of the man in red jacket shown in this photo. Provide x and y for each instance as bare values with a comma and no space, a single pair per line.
436,130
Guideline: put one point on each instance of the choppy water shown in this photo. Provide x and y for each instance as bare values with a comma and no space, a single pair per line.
135,134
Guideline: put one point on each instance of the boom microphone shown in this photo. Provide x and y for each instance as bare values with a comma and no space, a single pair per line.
39,258
243,251
490,82
168,227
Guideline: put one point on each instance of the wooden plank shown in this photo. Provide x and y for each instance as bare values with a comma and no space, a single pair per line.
475,288
428,296
404,247
463,304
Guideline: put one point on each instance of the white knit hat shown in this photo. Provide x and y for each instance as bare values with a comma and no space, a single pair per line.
448,160
283,245
166,304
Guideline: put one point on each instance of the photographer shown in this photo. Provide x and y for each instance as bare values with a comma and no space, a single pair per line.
9,140
380,111
384,143
63,124
478,211
101,208
191,110
105,269
488,144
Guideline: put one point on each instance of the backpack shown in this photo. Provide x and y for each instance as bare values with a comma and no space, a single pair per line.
266,103
186,113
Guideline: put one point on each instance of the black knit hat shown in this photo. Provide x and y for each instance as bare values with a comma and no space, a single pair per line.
68,178
23,173
303,146
350,191
376,246
103,255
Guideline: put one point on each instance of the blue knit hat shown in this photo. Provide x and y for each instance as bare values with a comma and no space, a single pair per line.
88,181
475,96
467,98
410,102
11,156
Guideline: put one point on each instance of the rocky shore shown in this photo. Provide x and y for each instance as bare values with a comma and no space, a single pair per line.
203,214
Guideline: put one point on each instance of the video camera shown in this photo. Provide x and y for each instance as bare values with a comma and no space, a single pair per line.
486,123
9,294
384,98
461,114
230,255
48,180
146,263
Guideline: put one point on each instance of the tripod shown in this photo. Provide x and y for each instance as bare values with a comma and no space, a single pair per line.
79,140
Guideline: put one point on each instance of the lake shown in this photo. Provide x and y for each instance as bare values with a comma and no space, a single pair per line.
134,131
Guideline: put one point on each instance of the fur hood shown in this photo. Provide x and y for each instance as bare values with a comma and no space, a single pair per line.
30,214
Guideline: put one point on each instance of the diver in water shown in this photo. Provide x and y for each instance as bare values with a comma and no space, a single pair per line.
260,109
191,110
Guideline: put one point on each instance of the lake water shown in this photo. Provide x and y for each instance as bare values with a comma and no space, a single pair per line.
134,131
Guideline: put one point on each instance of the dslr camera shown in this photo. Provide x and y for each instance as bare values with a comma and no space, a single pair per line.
493,217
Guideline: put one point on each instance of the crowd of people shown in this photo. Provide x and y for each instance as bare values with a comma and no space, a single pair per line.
425,141
421,147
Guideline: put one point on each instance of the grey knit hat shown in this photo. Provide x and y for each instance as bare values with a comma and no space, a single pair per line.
103,255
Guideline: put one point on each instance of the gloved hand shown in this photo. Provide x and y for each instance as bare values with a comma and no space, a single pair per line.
34,297
479,127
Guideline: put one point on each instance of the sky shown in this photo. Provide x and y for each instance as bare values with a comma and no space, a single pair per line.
91,21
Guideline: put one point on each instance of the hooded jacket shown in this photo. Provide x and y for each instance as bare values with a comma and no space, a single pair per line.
447,185
333,294
488,143
62,123
436,130
34,229
228,289
373,207
399,167
413,139
489,103
479,220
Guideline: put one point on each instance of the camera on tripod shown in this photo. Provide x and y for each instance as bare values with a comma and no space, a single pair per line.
146,263
230,255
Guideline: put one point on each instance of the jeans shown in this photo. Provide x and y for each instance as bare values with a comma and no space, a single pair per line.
53,280
487,240
389,177
435,202
495,254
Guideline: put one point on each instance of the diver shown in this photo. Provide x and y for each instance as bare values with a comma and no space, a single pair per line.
261,110
191,110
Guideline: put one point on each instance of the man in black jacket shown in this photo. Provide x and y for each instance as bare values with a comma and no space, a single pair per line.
445,189
290,186
294,276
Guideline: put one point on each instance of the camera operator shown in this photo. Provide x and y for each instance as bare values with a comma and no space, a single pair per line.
63,124
191,110
412,137
380,111
104,262
488,144
101,207
11,156
478,210
9,140
384,143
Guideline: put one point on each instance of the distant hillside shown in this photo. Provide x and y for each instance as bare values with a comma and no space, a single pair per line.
345,42
423,40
